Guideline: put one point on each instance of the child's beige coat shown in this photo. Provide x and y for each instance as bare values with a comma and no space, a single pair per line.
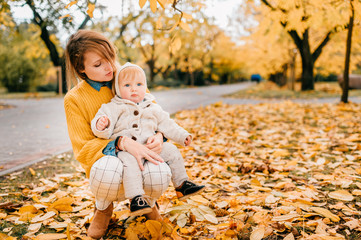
137,121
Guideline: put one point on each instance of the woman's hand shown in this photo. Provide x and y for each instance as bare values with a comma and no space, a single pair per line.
140,151
155,143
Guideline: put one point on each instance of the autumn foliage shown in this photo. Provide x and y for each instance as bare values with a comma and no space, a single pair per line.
272,171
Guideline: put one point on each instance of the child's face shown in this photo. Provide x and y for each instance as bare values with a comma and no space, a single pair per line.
133,89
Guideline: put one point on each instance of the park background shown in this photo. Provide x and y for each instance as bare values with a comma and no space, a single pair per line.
273,170
193,43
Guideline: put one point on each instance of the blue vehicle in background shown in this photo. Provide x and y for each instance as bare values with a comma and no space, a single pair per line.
256,78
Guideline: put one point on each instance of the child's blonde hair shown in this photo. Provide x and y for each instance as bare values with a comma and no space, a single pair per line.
78,44
131,72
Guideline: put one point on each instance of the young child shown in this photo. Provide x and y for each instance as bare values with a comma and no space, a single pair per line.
133,113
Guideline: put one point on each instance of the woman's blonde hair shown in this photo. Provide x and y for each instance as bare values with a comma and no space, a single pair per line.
78,44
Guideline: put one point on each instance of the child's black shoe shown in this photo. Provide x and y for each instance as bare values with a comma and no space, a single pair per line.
139,206
188,189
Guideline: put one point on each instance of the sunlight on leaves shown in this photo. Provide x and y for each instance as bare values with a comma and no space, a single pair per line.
90,10
270,171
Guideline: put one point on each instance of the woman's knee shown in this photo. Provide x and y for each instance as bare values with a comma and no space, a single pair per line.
107,170
106,176
156,179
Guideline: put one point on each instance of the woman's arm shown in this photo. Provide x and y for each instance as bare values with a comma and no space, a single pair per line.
87,148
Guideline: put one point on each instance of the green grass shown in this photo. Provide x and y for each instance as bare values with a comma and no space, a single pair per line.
14,183
269,90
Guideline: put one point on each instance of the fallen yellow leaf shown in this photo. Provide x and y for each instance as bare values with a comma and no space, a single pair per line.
51,236
230,233
199,199
289,237
40,218
258,233
342,195
2,215
75,184
3,236
281,153
35,227
326,213
63,204
356,192
32,171
155,228
28,209
285,217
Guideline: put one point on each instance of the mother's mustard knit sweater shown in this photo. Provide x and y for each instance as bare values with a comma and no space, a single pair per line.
81,104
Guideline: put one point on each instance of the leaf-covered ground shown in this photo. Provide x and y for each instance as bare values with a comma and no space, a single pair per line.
272,171
268,89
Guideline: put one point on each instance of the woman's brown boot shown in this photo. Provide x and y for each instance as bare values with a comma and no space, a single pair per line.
101,219
154,215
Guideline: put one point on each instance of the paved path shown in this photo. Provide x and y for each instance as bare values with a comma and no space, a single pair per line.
36,129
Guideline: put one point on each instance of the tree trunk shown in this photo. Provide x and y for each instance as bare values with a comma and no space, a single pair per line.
307,64
191,74
307,74
211,70
345,85
165,72
308,58
150,64
45,36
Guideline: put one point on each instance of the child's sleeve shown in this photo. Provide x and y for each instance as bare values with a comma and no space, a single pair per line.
105,110
169,127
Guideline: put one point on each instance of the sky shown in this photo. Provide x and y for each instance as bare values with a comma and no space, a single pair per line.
221,10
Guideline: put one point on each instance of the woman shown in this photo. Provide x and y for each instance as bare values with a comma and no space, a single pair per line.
91,64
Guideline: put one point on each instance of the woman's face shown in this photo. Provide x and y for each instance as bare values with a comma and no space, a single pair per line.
97,68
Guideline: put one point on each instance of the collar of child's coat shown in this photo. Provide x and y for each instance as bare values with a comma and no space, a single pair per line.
148,98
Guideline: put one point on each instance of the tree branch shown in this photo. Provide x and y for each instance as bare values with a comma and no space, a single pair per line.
86,20
318,50
268,5
296,38
265,2
143,52
126,23
45,35
37,18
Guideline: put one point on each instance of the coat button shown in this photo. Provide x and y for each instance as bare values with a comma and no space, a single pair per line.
135,125
136,112
134,138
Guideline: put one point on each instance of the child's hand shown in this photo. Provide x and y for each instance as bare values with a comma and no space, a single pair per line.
155,143
102,123
188,140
